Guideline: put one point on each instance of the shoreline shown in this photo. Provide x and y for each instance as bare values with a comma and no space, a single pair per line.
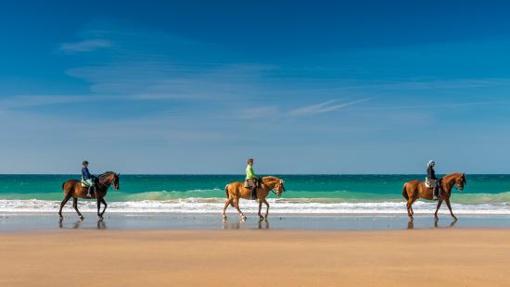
26,222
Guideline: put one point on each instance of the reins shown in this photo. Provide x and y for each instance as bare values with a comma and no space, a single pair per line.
102,176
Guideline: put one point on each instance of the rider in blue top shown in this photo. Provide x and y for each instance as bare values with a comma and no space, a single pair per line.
87,178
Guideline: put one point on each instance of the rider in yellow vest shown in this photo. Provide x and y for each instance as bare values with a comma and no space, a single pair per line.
251,180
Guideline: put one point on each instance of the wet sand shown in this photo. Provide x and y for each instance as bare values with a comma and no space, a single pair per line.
27,222
435,257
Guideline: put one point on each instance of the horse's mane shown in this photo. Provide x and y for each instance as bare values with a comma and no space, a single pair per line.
270,178
456,174
106,174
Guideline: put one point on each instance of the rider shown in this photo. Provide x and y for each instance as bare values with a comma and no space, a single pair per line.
432,179
251,180
87,178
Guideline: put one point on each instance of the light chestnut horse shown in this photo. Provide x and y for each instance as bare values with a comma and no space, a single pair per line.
73,189
416,189
236,191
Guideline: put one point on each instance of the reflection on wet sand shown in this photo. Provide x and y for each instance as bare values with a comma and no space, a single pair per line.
452,224
101,224
410,223
78,224
262,224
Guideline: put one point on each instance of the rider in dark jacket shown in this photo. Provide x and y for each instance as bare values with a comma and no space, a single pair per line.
431,176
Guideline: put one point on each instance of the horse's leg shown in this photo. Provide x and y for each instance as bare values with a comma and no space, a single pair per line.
450,208
66,199
260,208
75,205
105,206
227,203
99,208
267,208
409,206
236,204
410,203
438,206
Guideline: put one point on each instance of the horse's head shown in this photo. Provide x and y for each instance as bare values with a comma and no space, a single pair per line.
279,187
116,181
460,181
110,178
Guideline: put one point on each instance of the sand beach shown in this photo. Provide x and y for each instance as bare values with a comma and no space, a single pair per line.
433,257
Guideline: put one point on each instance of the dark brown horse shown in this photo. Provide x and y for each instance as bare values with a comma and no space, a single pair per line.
74,189
415,189
236,191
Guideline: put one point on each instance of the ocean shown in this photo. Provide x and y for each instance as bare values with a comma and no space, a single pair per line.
306,194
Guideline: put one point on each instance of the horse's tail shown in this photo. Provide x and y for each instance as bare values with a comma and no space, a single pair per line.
63,184
404,192
226,189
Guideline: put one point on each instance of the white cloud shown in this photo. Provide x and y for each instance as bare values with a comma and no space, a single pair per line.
25,101
324,107
160,80
85,45
259,112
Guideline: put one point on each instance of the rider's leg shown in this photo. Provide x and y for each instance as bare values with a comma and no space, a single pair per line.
90,188
254,192
436,191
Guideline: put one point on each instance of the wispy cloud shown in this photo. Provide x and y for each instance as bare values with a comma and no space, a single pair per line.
27,101
451,105
164,80
259,112
324,107
85,45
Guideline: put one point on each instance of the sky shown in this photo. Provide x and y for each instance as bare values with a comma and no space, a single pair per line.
197,87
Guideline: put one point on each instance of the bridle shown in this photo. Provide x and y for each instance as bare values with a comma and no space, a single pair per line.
283,188
112,181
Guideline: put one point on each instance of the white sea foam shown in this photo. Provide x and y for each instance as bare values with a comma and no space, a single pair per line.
278,206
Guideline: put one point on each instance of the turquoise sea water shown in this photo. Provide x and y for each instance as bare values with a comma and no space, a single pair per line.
305,193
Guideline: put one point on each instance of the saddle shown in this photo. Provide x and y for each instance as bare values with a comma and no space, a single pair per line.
430,183
85,186
250,184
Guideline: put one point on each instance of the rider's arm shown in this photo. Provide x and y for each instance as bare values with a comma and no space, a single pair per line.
431,173
85,173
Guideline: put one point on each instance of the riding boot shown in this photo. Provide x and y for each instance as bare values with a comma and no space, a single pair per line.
254,193
436,192
89,191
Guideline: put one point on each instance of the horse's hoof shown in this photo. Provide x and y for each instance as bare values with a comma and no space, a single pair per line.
224,217
82,218
243,218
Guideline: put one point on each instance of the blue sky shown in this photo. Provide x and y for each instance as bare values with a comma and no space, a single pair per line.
303,87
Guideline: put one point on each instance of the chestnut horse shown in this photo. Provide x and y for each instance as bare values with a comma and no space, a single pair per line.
73,188
415,189
236,190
